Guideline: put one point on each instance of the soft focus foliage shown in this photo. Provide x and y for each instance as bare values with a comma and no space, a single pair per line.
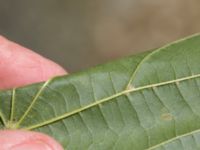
81,33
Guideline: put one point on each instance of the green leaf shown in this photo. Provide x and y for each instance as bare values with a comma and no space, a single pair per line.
146,102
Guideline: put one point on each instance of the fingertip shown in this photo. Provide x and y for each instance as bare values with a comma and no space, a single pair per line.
27,140
20,66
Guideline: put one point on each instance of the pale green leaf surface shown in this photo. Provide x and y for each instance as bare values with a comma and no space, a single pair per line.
146,102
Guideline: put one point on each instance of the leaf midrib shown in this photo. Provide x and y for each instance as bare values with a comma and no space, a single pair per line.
120,94
127,89
101,101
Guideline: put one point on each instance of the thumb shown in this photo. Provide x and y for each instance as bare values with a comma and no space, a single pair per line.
26,140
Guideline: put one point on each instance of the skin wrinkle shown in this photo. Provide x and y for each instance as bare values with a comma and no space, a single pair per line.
13,139
27,139
24,147
35,141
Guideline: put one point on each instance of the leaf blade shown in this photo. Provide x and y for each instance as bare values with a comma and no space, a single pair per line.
149,101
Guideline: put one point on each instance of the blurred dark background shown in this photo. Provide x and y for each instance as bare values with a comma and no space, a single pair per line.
82,33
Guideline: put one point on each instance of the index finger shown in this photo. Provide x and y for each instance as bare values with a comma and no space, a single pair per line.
20,66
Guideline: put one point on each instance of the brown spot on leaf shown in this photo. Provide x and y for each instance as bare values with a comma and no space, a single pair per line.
166,117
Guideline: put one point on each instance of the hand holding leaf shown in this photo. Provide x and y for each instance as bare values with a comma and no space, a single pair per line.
20,66
149,101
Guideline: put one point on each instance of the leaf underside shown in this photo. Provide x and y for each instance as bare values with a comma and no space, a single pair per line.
146,102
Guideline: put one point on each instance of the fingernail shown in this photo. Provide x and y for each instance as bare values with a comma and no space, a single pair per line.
36,145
